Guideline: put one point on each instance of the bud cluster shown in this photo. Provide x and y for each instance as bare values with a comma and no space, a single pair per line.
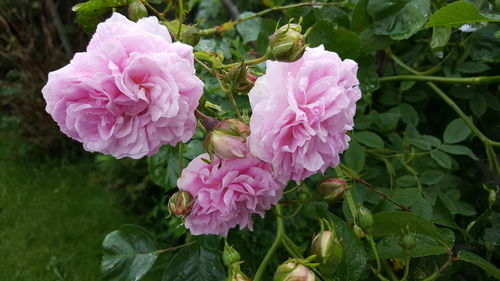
287,44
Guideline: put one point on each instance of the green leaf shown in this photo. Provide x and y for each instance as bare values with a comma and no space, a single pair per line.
388,248
455,15
163,167
470,67
354,266
129,253
250,29
406,196
354,157
342,41
443,159
483,44
440,37
458,150
332,14
198,262
478,105
480,262
456,131
431,177
90,13
360,19
405,22
406,181
378,9
369,139
388,223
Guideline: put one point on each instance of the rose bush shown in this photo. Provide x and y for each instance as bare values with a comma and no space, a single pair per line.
132,91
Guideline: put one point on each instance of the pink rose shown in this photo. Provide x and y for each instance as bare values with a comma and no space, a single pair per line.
301,112
132,91
228,193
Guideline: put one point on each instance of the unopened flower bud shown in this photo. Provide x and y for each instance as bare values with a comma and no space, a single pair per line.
332,189
364,218
230,255
286,43
137,10
239,78
190,35
292,270
359,232
240,277
328,250
228,139
407,240
181,203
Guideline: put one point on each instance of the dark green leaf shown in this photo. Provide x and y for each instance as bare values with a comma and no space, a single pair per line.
129,253
249,29
198,262
478,105
388,248
458,150
456,131
342,41
455,15
354,266
405,22
332,14
369,139
406,196
382,8
388,223
443,159
420,143
484,44
354,157
360,19
469,67
90,13
163,167
431,177
406,181
479,261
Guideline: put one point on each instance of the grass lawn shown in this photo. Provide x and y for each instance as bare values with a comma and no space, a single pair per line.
53,218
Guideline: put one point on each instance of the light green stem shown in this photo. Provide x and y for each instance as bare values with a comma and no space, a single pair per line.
454,80
249,62
369,237
280,232
407,268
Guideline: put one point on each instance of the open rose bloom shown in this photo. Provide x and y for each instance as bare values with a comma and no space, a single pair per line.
227,195
132,91
301,112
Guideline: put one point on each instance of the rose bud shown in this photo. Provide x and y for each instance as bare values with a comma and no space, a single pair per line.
407,240
292,270
239,78
181,203
137,10
358,231
332,189
364,218
230,255
190,35
328,250
286,44
228,139
235,274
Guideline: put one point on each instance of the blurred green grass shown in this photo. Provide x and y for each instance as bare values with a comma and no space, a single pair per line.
53,217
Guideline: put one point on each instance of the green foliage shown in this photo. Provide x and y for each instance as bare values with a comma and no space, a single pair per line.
456,14
90,13
200,261
129,253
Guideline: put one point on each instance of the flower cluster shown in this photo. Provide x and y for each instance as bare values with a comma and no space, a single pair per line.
134,90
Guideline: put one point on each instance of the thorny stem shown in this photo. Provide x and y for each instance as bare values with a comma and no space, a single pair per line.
229,25
278,241
454,80
374,189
